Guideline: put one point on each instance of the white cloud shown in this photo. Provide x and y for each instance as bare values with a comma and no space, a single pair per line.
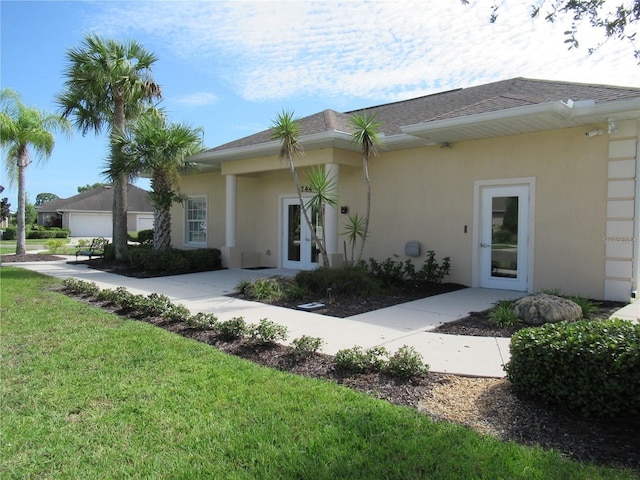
384,50
197,99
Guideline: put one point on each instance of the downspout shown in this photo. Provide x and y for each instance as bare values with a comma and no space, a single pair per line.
636,236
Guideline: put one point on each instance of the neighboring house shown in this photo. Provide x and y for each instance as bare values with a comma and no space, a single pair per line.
89,214
525,184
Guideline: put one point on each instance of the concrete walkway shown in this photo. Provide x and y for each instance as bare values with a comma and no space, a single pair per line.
405,324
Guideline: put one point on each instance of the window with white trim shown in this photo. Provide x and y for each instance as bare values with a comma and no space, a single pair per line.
196,220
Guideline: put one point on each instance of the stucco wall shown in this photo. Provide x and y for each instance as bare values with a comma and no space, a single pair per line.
427,194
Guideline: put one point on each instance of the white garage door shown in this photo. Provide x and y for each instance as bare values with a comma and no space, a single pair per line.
145,222
90,225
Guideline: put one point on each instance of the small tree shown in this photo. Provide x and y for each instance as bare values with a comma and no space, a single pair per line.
367,135
5,206
24,129
287,131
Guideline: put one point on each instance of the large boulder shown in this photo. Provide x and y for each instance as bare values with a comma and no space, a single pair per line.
543,308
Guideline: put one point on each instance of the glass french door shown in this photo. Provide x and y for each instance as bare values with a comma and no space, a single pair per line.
504,239
298,251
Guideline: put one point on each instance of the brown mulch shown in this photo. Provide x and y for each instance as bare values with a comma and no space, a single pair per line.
487,405
30,257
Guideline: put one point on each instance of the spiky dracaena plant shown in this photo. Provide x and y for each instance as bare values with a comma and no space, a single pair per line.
367,135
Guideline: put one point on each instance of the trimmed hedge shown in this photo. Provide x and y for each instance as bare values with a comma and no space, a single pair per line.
10,233
592,366
174,260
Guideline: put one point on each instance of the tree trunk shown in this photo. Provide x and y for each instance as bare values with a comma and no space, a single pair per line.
21,238
314,236
162,228
365,167
119,188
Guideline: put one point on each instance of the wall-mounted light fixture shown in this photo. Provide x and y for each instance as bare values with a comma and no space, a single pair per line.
612,126
593,133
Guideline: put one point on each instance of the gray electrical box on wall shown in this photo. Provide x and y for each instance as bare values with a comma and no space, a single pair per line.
412,249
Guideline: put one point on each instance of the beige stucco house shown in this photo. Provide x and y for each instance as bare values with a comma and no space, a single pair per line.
525,184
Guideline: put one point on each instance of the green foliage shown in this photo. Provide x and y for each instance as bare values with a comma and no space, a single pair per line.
10,233
54,245
38,232
305,346
354,230
358,360
406,363
232,329
203,321
343,280
80,287
243,286
157,305
588,306
393,273
591,365
266,290
295,292
504,314
143,237
266,332
173,260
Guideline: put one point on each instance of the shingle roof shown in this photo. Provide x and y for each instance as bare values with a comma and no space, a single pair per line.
99,199
516,92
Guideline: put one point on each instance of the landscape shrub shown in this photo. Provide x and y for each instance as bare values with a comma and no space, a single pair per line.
54,244
266,289
203,321
232,329
504,314
358,360
406,363
266,332
394,273
145,258
177,313
345,280
157,305
305,346
42,233
10,233
590,365
143,237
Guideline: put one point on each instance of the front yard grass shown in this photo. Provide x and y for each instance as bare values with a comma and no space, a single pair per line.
87,394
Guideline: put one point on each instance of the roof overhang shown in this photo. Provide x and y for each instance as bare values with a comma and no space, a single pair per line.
526,119
500,123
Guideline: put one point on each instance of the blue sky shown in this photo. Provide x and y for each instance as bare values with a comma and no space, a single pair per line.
230,67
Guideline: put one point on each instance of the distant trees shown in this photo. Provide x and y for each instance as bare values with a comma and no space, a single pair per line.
91,186
45,197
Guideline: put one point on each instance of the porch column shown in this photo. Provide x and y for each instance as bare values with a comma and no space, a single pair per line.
331,219
230,253
230,210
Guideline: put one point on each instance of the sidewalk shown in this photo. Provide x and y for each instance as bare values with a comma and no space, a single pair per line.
405,324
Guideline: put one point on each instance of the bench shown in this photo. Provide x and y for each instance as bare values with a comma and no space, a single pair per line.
96,249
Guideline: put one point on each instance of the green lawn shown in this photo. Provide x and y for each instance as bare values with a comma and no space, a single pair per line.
86,394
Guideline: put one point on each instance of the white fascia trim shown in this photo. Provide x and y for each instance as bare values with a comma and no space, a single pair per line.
562,109
315,140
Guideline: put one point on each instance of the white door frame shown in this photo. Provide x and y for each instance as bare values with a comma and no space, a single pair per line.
305,262
479,276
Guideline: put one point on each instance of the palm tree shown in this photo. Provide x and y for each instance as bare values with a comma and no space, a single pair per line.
367,134
287,131
23,128
159,148
108,84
